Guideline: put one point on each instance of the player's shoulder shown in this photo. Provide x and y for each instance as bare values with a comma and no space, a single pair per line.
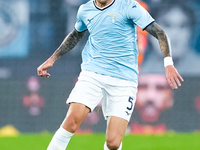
86,5
127,4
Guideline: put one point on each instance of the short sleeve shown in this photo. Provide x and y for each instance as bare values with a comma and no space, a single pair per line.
139,15
80,25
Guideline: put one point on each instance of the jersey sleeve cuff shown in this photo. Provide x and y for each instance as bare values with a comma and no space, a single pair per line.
148,25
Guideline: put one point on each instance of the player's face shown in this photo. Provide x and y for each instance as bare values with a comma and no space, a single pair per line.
176,24
154,95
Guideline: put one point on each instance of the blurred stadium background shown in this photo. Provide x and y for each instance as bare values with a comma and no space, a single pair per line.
31,30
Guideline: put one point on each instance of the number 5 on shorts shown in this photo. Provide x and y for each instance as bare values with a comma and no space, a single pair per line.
131,101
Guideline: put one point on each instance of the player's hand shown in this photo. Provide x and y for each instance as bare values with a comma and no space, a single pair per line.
173,77
42,69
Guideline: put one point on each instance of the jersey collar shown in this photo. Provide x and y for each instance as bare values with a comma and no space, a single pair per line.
103,7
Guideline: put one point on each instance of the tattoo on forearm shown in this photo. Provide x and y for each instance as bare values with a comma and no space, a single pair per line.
68,43
164,44
158,33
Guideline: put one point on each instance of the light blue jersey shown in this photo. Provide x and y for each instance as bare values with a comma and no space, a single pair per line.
112,45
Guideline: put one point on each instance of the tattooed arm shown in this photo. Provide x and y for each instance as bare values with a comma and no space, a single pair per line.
172,75
68,43
155,30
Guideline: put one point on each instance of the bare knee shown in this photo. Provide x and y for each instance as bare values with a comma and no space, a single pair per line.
113,144
71,123
115,131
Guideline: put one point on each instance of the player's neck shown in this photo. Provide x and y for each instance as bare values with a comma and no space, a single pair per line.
103,3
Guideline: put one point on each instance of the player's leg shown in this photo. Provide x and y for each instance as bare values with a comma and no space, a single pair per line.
116,128
72,121
84,97
75,116
118,103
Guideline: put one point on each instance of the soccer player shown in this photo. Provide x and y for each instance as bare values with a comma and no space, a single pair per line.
109,67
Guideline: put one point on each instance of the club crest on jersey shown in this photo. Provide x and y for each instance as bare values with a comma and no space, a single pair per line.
113,17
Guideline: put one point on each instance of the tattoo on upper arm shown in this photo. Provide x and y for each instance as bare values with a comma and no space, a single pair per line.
158,33
68,43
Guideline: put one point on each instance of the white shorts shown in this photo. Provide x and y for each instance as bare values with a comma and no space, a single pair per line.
118,96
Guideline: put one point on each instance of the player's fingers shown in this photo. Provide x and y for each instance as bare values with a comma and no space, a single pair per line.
40,73
174,84
177,81
170,81
44,73
171,85
179,76
48,75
